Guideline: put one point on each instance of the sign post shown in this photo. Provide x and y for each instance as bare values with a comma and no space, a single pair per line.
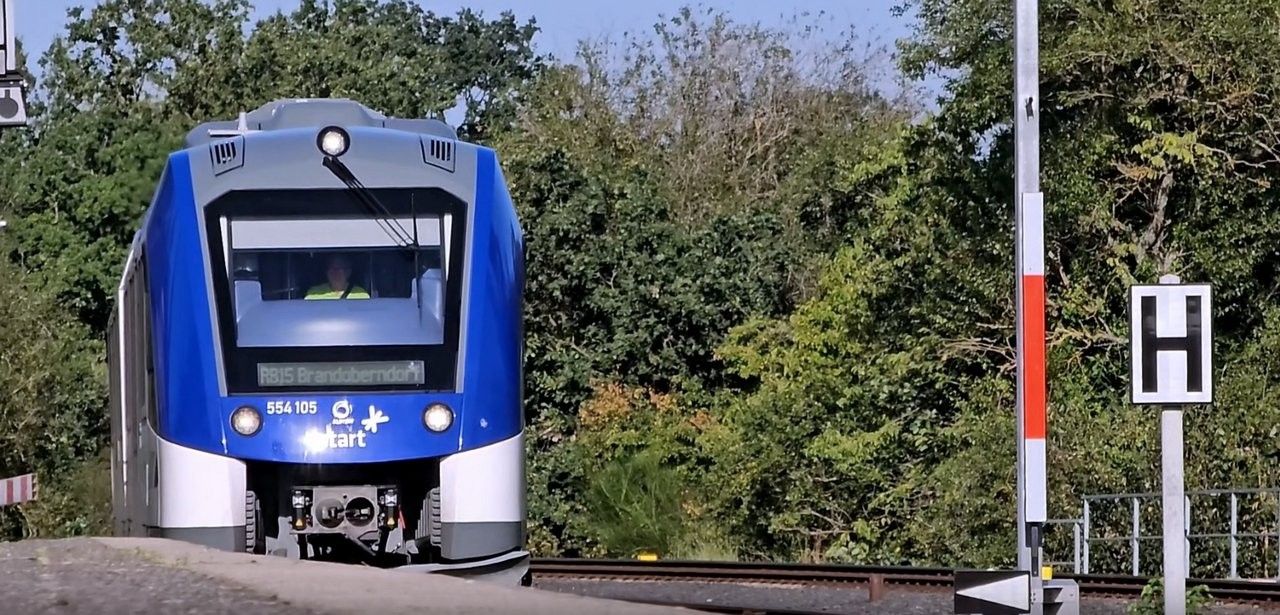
1172,491
1025,590
13,106
1171,336
1029,228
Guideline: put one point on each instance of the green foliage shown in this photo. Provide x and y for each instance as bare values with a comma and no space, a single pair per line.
1156,124
630,478
74,503
393,56
633,505
666,202
52,375
1152,600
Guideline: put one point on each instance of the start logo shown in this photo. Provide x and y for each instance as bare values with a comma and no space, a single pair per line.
316,441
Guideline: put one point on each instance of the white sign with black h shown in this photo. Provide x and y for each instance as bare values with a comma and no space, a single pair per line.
1171,334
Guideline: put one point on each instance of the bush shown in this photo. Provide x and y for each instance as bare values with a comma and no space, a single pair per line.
77,505
634,505
52,416
1152,600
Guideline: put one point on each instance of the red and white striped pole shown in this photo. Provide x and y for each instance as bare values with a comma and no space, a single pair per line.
1033,380
18,489
1029,223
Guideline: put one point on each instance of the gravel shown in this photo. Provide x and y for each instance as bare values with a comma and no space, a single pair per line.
81,576
111,576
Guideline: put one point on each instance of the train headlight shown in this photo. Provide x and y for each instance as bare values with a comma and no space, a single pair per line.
246,420
437,417
333,141
389,497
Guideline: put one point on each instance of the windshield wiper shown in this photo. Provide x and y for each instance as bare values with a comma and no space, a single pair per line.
386,220
382,215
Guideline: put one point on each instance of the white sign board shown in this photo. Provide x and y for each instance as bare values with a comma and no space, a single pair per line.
1171,341
992,592
13,106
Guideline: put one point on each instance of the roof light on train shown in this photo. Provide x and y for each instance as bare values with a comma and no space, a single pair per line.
333,141
246,420
437,417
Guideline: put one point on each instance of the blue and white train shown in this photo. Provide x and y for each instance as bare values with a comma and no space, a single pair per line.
317,346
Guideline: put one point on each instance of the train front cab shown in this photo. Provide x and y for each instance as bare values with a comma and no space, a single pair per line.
249,417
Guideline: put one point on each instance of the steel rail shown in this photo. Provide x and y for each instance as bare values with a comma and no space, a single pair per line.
723,608
739,571
1222,590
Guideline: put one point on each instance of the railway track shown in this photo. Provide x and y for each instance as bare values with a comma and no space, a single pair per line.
877,579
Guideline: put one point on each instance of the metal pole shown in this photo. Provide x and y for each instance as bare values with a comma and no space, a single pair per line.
1186,535
1029,247
1234,574
1134,539
1172,505
1086,537
8,39
1173,502
1075,537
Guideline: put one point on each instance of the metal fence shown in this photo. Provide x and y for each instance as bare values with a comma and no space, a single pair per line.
1236,533
1054,528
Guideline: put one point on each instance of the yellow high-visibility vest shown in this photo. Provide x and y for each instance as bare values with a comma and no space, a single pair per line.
322,291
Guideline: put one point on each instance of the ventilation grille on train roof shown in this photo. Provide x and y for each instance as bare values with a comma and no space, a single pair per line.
227,154
439,152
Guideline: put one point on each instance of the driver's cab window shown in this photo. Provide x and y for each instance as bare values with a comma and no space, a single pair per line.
343,264
333,274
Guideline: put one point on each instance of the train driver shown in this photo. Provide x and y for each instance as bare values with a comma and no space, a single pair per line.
339,284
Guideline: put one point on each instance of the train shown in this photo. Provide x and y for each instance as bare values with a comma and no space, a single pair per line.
317,346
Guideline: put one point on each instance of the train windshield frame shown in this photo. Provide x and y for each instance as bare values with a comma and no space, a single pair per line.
273,252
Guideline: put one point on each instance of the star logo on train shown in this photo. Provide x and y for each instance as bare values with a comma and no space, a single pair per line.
376,417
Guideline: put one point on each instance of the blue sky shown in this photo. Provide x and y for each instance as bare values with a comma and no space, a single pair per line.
563,22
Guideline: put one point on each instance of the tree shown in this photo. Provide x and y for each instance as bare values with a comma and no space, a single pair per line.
671,188
1158,158
54,382
845,403
888,395
392,56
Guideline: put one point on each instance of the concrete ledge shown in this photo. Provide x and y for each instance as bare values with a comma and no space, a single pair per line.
346,588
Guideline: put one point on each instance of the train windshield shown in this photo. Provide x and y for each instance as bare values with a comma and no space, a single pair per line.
301,281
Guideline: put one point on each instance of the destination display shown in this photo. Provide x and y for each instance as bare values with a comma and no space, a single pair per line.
362,373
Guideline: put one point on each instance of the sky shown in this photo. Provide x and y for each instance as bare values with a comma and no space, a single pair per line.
562,22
